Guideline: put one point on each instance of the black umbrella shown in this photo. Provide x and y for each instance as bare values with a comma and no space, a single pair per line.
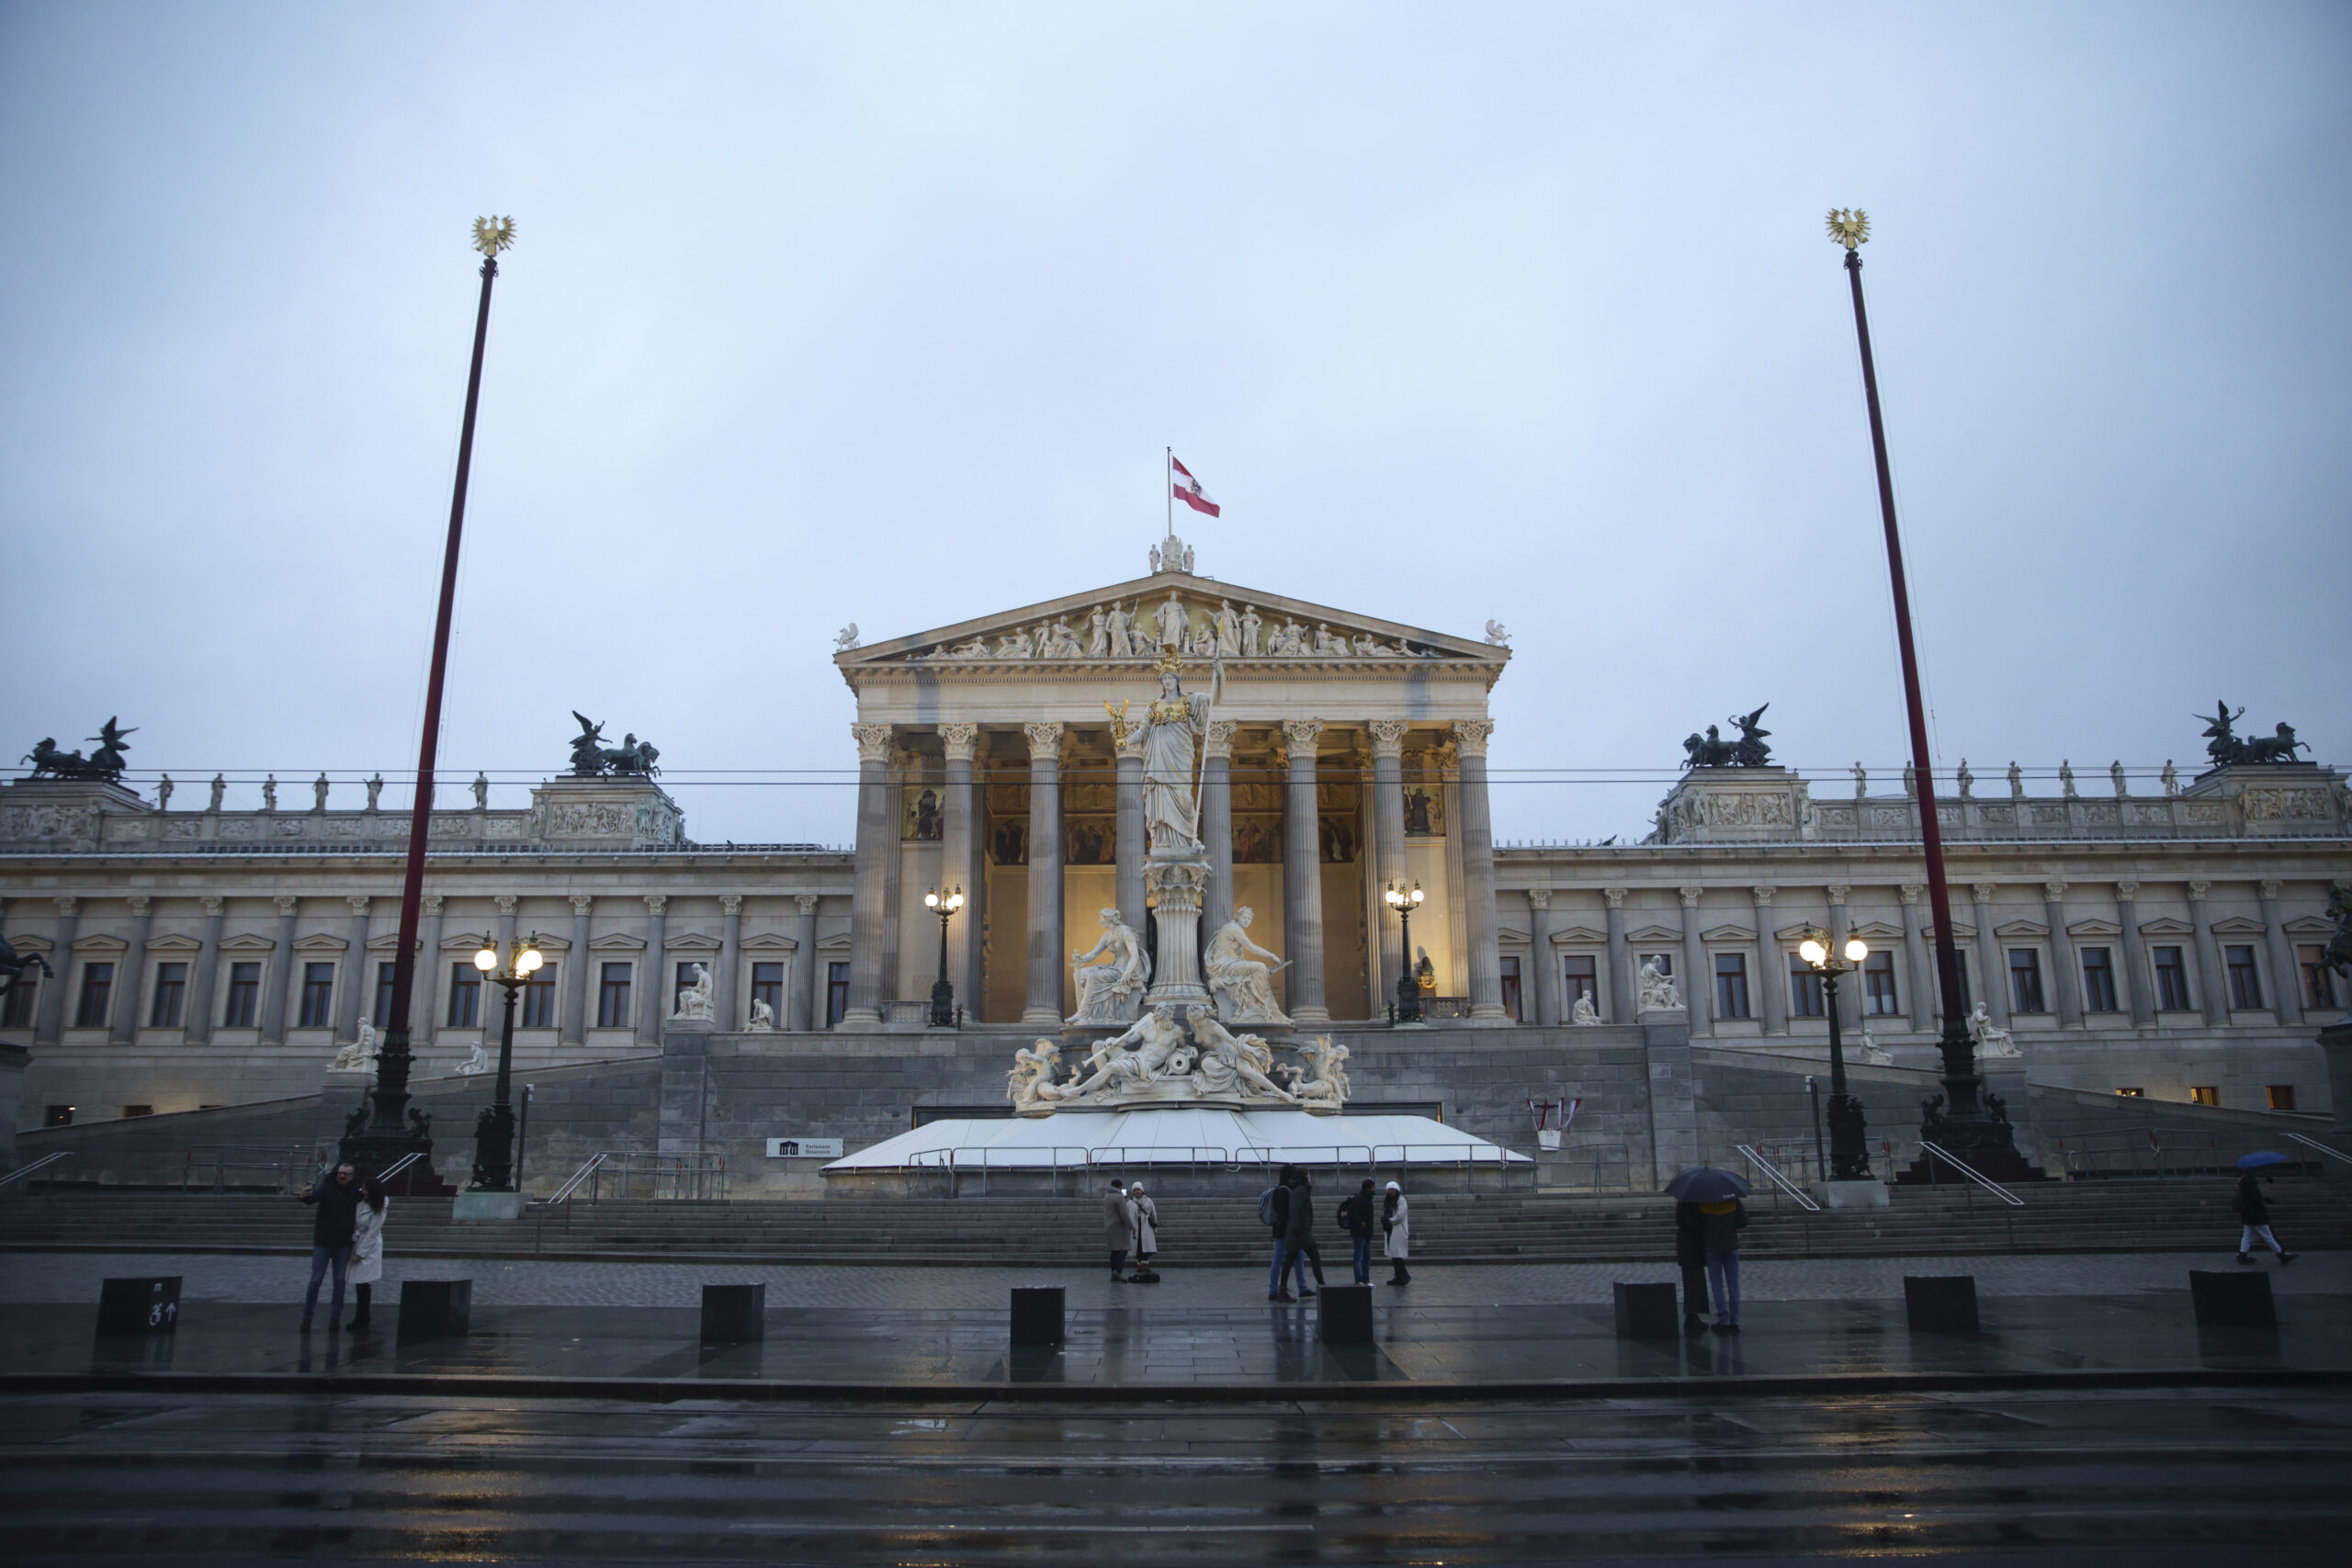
1705,1184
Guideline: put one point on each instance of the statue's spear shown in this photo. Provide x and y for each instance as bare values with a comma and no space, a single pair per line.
1208,713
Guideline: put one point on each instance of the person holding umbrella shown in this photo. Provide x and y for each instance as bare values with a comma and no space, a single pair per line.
1716,1194
2254,1215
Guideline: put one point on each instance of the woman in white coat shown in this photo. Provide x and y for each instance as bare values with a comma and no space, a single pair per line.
367,1246
1147,1234
1396,1226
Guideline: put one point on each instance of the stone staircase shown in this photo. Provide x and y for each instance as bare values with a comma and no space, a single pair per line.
2106,1216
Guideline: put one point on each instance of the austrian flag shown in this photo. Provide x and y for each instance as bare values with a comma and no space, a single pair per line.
1188,489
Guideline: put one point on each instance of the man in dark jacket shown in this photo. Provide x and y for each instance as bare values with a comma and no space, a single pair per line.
1690,1255
1291,1215
1355,1218
338,1205
2254,1215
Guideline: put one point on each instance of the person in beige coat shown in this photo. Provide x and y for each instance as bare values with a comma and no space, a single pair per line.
367,1247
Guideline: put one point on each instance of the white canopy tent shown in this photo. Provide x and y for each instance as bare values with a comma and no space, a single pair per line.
1177,1135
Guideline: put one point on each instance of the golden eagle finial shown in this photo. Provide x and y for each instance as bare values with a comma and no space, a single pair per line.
1850,226
493,236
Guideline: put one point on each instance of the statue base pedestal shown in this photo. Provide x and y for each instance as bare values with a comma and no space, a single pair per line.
1173,888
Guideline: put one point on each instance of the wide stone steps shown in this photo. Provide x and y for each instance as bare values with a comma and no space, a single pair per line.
2154,1217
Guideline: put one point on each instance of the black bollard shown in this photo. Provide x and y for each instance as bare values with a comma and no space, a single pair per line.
1346,1314
1646,1312
1037,1314
1940,1303
734,1315
139,1305
433,1309
2232,1301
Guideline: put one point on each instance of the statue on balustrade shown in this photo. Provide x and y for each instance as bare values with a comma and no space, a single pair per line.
590,759
2227,750
104,765
1711,750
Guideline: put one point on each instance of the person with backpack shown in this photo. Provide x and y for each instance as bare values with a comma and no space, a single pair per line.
2253,1218
1355,1218
1720,1224
1396,1227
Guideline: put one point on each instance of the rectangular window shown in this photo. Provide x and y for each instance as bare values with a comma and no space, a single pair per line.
2319,981
612,997
98,989
2172,980
1731,984
2282,1096
2099,980
2246,980
464,996
57,1116
2205,1094
1510,987
2132,1093
171,995
138,1111
318,996
538,999
1581,974
1804,990
244,996
767,985
384,973
1879,998
16,1012
2025,980
836,993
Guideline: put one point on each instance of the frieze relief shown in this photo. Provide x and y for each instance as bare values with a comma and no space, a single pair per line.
2285,806
1195,627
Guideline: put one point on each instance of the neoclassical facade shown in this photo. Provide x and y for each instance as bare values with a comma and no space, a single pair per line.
2163,943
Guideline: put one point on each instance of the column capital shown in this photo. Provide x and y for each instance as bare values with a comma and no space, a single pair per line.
1838,891
1472,734
1539,897
1217,743
1388,736
137,902
581,903
1984,890
873,742
1763,894
959,740
2270,887
2196,891
808,902
730,903
1689,897
506,902
1044,739
68,904
1913,891
435,902
655,903
1129,746
1613,896
360,902
287,904
1301,734
211,902
2053,891
2127,890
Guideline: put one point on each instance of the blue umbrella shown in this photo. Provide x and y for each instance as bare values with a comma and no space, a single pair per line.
1705,1184
2256,1161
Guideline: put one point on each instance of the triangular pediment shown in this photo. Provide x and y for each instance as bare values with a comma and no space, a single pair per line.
1324,633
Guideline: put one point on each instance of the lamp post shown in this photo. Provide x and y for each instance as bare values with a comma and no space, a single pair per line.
1850,1158
1959,1119
943,994
494,1129
1408,986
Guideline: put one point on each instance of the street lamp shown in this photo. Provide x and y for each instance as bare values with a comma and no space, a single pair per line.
1850,1158
1409,989
494,1129
942,995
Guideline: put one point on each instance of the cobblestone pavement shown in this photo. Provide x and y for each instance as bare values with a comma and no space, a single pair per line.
36,1278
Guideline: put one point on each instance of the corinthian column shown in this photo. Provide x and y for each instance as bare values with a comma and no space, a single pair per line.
1043,1005
1302,876
2209,957
805,973
2286,979
1622,986
50,1019
1128,834
653,1007
132,988
730,961
1478,872
2140,992
1772,981
1540,958
273,1006
2063,971
1388,844
959,846
1991,974
575,982
1216,825
358,986
877,841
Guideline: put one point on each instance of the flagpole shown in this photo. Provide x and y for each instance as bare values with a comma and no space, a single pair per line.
1168,487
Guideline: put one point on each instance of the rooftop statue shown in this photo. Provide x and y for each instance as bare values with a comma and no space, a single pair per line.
2223,745
104,765
590,759
1711,750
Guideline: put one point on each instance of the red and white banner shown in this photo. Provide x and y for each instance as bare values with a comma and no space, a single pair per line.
1188,489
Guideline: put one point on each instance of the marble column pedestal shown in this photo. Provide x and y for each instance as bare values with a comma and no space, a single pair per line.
1174,885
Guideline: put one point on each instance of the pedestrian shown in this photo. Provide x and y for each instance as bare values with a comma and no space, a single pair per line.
337,1202
1273,1212
367,1249
1720,1224
2254,1216
1300,1231
1118,1227
1146,1235
1691,1254
1396,1228
1355,1218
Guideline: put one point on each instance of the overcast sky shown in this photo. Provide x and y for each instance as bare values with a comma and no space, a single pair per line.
884,314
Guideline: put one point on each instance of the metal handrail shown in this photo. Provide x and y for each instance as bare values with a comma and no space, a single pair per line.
400,1164
1995,1187
564,1192
2323,1148
24,1170
1780,1183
